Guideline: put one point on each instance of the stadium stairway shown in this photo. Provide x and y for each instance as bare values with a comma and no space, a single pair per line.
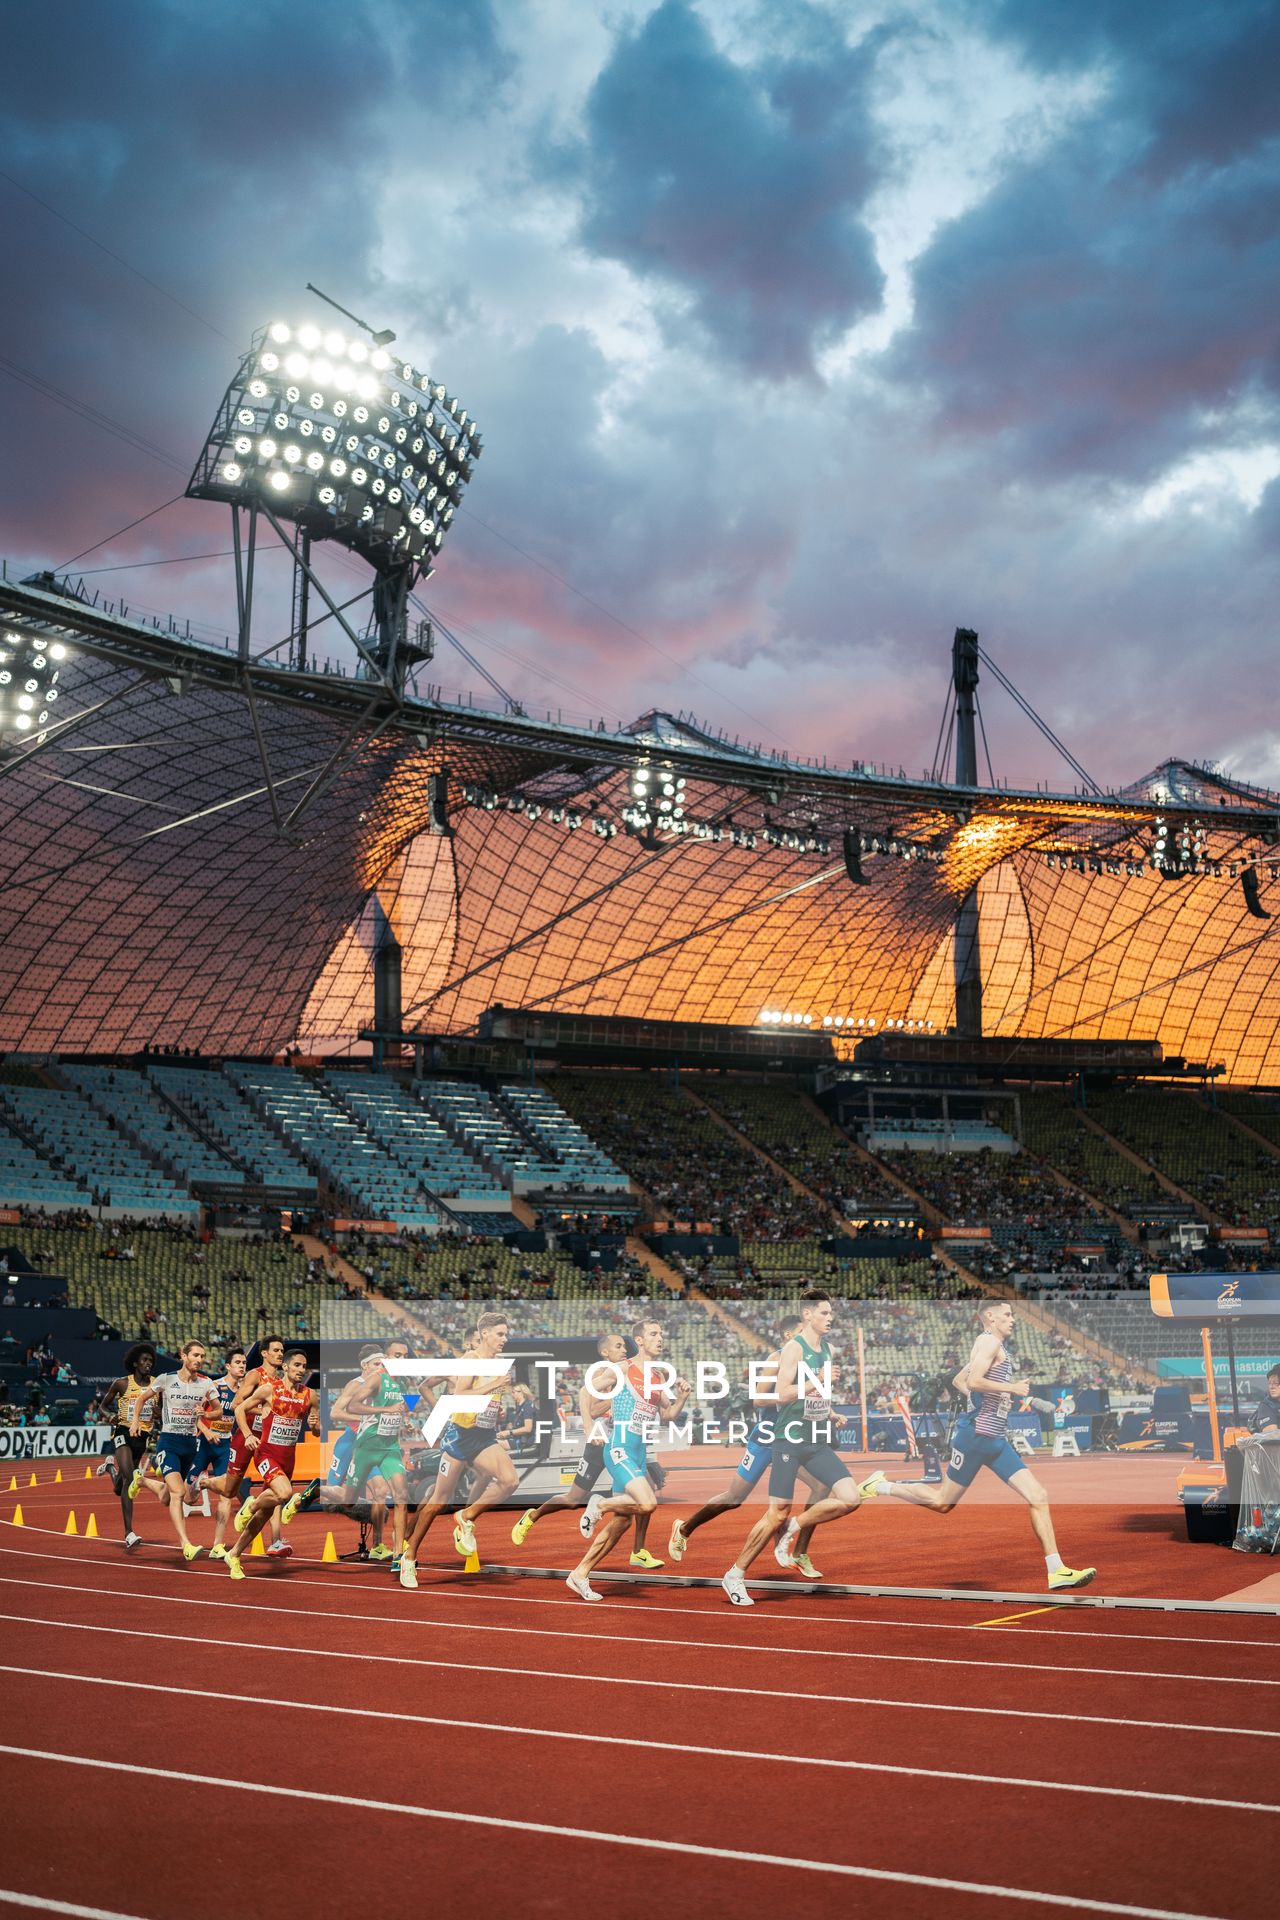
1202,1211
743,1140
1238,1123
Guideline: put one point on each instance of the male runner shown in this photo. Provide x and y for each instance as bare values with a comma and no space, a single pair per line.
184,1397
470,1440
286,1406
638,1405
596,1413
213,1456
336,1492
377,1463
271,1349
981,1439
128,1448
803,1443
752,1467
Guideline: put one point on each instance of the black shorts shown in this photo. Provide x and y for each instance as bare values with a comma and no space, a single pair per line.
589,1468
136,1442
820,1461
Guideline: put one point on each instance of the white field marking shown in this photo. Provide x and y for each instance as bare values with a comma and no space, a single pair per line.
344,1582
789,1694
642,1640
656,1746
504,1823
10,1897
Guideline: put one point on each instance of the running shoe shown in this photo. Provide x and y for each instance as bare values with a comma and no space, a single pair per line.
784,1543
218,1553
233,1566
395,1562
464,1537
135,1483
280,1550
677,1543
875,1486
408,1573
380,1552
803,1564
520,1531
579,1584
191,1551
1071,1577
645,1559
244,1515
292,1507
132,1540
735,1587
591,1516
104,1466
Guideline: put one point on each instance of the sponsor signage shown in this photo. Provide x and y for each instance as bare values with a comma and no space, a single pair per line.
1207,1297
51,1443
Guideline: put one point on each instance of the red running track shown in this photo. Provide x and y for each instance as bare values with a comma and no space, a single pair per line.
494,1742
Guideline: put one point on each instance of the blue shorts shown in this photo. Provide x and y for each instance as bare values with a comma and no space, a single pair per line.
213,1456
971,1451
468,1443
176,1453
757,1459
626,1460
342,1450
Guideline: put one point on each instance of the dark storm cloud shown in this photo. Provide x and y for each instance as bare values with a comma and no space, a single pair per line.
1099,304
738,186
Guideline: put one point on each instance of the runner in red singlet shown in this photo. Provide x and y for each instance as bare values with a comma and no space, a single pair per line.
287,1408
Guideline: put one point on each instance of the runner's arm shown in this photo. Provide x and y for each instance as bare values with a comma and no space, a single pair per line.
143,1404
111,1397
242,1409
788,1374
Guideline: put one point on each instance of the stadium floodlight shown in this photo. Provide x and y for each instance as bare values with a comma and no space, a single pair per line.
30,670
348,442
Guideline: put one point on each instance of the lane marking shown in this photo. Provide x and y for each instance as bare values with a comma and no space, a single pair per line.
44,1905
344,1583
657,1746
643,1640
505,1823
274,1647
1005,1618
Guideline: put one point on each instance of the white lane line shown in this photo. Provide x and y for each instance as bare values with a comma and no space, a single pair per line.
343,1583
654,1746
504,1823
11,1897
645,1641
790,1694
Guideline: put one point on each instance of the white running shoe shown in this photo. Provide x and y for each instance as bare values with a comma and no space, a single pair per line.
579,1584
280,1550
104,1466
132,1540
677,1543
877,1486
591,1516
735,1586
784,1543
408,1573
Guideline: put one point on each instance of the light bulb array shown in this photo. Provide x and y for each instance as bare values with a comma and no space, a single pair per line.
30,672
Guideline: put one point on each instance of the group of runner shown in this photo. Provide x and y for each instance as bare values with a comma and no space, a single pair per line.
184,1432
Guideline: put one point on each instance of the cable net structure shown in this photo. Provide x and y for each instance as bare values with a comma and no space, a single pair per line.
201,850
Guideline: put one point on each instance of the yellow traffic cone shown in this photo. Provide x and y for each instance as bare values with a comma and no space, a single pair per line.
88,1473
91,1530
71,1523
13,1483
18,1520
473,1563
330,1550
57,1478
32,1481
257,1546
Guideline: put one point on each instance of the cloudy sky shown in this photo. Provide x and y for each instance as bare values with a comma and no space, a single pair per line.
799,333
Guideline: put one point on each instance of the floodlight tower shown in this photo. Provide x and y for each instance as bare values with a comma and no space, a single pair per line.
341,440
967,957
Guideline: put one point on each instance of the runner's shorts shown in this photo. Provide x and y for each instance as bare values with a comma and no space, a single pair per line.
821,1462
971,1451
176,1453
213,1456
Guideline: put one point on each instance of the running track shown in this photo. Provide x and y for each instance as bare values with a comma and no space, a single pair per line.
492,1743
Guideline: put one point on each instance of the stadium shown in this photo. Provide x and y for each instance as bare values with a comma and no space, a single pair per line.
566,1281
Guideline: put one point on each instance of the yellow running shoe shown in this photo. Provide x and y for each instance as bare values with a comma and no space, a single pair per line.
803,1564
218,1553
876,1485
191,1551
520,1531
1071,1577
233,1566
135,1483
380,1552
645,1559
243,1516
